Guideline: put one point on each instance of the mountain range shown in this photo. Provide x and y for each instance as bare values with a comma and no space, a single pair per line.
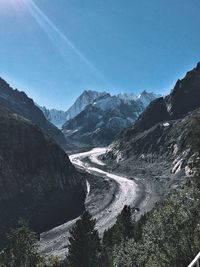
160,147
104,118
97,117
37,180
165,134
59,117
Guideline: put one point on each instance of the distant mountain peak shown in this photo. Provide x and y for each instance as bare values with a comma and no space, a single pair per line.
101,100
164,123
127,96
103,117
56,117
86,98
146,97
92,92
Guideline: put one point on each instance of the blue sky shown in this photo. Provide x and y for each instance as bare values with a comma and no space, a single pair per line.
55,49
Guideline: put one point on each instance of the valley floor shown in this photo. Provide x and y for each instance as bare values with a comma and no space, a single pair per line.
107,195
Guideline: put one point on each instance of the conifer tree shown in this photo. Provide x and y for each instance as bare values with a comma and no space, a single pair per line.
21,249
123,229
84,248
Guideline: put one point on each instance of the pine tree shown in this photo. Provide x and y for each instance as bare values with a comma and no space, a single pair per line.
84,248
123,229
21,249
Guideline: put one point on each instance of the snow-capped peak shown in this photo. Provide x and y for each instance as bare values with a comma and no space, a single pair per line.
57,117
102,100
127,96
146,97
86,98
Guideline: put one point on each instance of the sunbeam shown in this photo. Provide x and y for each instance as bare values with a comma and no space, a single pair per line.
17,5
59,38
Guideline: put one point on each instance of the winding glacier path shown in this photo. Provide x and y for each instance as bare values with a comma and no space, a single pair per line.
104,208
127,189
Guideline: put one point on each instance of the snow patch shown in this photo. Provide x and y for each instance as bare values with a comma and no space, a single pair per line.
166,124
177,166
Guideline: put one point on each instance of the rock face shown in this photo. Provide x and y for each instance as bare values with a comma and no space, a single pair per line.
85,99
96,117
167,130
103,119
19,103
37,180
185,95
59,117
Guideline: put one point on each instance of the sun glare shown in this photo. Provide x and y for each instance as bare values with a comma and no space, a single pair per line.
12,4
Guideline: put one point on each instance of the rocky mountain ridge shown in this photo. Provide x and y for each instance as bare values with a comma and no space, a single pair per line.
37,180
85,99
59,117
167,131
18,102
104,118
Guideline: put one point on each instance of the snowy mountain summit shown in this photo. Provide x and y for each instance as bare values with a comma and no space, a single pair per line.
96,118
146,97
59,117
101,116
105,101
86,98
127,96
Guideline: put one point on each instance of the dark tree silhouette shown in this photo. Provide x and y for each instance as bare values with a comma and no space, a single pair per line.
21,249
84,248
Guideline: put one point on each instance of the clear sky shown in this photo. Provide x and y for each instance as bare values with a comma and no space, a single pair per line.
55,49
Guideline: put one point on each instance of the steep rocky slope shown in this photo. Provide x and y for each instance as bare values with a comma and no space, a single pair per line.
167,131
19,103
85,99
100,121
59,117
37,180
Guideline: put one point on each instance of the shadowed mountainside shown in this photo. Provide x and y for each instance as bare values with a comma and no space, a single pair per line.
18,102
37,180
106,116
162,128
